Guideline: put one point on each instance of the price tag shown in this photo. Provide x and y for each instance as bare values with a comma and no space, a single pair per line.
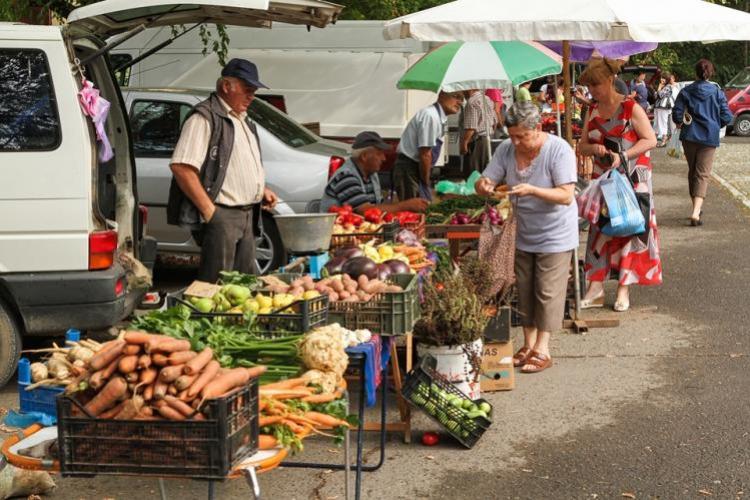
202,289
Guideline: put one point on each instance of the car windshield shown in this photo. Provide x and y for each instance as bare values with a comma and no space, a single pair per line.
280,125
740,81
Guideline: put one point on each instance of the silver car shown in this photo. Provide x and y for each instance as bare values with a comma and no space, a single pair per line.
297,164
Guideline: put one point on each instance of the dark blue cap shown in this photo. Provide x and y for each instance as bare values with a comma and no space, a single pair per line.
244,70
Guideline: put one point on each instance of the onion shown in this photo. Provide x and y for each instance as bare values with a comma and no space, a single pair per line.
360,265
349,252
397,266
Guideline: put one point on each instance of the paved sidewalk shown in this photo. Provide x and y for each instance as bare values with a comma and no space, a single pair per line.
655,408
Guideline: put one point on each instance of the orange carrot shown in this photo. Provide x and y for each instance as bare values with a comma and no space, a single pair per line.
181,357
113,392
113,411
159,359
131,349
128,364
324,420
140,337
185,381
169,374
256,371
144,361
160,389
263,421
199,362
289,383
102,359
266,442
171,389
170,413
131,378
208,374
167,345
181,406
223,383
146,410
148,392
319,398
198,416
131,408
294,426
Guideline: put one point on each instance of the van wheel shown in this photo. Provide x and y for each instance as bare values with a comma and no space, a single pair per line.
269,251
10,344
742,126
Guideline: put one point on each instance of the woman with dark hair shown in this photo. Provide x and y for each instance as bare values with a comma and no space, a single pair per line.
663,109
700,111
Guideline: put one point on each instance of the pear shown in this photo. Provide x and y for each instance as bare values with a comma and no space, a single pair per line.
237,294
205,305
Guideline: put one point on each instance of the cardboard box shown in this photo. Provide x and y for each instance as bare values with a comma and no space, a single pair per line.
497,367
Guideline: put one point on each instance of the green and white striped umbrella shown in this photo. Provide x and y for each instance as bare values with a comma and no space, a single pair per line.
480,65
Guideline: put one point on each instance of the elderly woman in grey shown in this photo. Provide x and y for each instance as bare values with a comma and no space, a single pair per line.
540,170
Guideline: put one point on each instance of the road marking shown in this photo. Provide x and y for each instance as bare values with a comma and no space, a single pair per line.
735,192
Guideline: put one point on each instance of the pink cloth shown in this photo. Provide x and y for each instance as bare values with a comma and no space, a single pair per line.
97,108
495,94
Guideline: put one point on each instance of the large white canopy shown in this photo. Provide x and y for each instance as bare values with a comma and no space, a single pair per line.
638,20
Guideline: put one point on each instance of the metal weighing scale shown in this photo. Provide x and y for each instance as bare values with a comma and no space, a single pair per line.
306,238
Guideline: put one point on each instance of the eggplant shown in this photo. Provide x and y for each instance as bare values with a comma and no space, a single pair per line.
349,252
335,265
397,266
384,271
360,265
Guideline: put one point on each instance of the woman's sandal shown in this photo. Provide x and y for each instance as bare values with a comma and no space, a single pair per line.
538,361
597,301
621,307
520,357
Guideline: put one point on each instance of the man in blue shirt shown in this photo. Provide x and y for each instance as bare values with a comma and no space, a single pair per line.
357,183
638,89
420,146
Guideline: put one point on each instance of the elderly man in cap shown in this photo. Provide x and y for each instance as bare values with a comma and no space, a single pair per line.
218,188
357,183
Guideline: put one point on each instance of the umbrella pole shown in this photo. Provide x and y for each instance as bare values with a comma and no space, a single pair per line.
557,110
567,93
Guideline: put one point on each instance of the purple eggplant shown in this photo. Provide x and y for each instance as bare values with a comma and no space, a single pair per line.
360,265
397,266
384,271
349,252
335,265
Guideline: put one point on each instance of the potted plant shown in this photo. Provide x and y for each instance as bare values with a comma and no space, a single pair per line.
453,320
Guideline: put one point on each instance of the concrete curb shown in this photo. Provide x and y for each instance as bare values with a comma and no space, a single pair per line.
735,192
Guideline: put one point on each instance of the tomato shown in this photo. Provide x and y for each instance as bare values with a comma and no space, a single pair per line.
430,438
439,287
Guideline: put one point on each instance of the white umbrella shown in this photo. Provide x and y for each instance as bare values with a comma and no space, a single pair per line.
639,20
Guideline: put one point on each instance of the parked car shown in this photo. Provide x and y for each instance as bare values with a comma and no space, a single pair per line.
737,91
298,164
71,229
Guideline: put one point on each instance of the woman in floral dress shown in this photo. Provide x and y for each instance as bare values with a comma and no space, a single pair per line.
619,120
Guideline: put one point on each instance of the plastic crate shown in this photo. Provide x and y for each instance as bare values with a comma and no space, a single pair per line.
386,233
199,449
466,431
418,228
390,313
41,399
297,318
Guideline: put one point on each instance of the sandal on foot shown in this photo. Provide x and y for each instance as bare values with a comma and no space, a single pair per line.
520,357
597,301
621,307
696,222
538,362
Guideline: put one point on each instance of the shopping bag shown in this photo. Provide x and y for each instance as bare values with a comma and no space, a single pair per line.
674,146
624,216
497,247
590,202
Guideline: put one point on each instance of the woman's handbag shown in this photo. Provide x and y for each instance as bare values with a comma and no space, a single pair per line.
624,216
497,248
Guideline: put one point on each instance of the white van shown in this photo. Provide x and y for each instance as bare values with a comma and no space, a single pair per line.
71,231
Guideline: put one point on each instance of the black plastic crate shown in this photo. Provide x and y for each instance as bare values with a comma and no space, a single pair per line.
387,232
389,313
466,431
297,318
199,449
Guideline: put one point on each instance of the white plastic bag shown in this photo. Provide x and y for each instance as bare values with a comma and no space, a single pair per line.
674,146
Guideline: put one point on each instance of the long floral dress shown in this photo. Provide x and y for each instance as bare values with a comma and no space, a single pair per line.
635,258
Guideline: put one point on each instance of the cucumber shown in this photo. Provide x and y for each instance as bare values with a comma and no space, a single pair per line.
457,403
430,407
466,403
485,407
418,399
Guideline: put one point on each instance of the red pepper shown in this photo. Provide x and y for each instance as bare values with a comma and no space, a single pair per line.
388,217
373,215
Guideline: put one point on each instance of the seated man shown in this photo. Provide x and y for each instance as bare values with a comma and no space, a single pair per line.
357,183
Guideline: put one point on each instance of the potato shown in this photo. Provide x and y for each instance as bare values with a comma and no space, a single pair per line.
296,291
308,283
393,288
343,295
351,298
333,296
352,288
363,295
337,286
362,281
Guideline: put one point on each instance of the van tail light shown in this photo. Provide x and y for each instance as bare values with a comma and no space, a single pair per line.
119,287
334,164
102,246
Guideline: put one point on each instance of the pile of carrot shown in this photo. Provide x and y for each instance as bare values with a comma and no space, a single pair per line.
277,410
145,376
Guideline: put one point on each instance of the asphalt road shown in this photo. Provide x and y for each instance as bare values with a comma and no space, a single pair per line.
655,408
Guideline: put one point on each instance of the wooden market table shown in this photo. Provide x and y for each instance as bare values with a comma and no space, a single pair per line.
455,234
